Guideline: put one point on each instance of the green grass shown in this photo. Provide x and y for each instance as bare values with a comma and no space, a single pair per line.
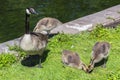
82,43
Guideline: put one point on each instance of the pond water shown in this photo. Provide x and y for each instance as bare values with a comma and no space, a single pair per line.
12,13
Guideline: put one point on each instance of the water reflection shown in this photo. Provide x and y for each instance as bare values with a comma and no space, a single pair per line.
12,13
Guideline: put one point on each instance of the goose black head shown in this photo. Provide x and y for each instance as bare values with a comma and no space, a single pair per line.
31,11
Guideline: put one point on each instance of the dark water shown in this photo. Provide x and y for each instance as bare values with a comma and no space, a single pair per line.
12,13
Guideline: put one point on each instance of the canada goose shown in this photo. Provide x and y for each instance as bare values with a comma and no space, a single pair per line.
46,24
99,52
72,59
33,43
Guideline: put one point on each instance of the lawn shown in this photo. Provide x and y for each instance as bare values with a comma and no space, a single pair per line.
82,44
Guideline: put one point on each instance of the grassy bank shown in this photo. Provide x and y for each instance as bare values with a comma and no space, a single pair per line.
82,43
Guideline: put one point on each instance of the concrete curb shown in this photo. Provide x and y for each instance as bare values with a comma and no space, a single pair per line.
108,17
4,47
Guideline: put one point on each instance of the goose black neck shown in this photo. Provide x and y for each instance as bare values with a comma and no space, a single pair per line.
27,31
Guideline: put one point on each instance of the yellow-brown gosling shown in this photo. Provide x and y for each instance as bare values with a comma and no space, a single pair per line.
100,52
46,24
72,59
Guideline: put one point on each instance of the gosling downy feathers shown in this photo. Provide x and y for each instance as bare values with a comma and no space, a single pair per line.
100,52
46,24
72,59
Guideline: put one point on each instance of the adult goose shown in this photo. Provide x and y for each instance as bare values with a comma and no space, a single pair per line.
31,42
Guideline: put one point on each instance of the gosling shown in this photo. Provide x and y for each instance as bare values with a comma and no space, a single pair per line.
100,52
46,24
72,59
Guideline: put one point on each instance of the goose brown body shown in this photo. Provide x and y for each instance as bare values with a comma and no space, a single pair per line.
33,43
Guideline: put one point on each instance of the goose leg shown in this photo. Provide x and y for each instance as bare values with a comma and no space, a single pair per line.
104,64
39,65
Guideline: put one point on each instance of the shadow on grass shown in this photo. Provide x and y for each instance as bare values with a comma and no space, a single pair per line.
101,63
33,60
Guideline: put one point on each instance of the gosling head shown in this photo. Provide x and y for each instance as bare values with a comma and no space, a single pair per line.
31,11
90,68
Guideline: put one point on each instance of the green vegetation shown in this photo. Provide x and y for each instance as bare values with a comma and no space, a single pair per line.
7,60
82,43
20,53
